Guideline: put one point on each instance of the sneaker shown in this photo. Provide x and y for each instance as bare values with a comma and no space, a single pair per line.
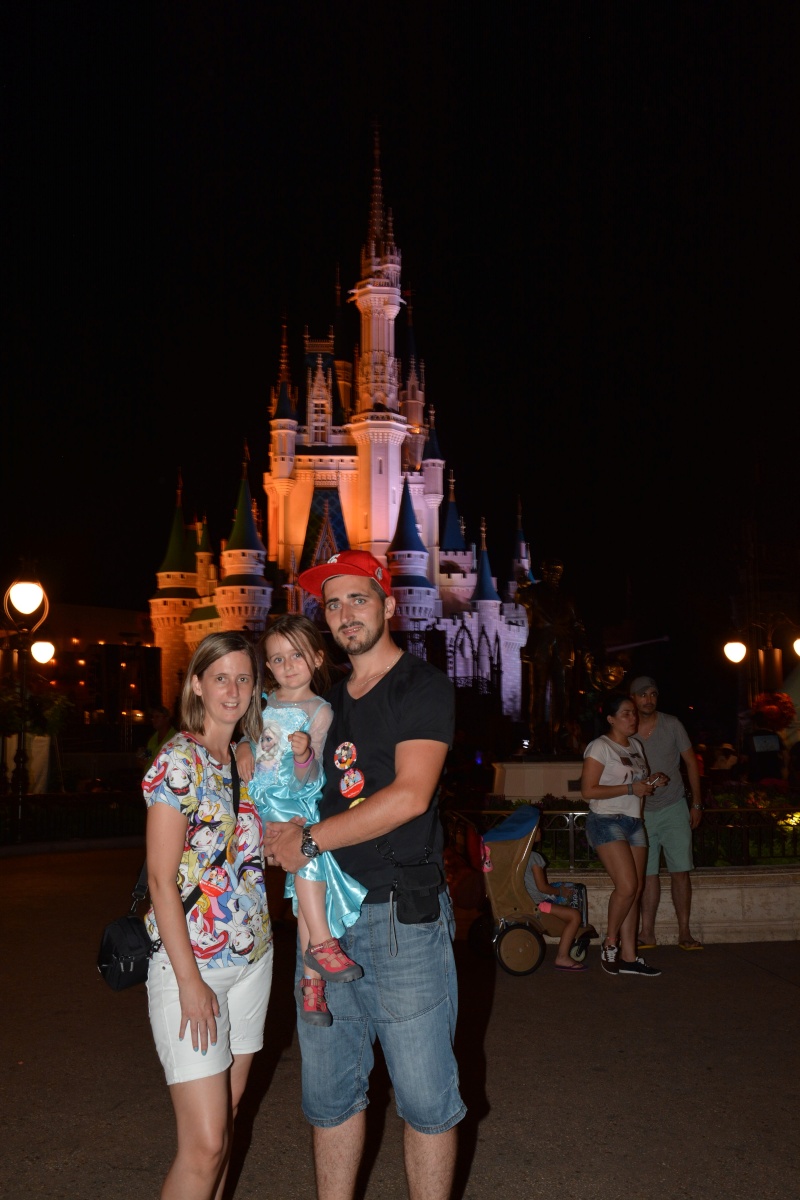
608,960
637,967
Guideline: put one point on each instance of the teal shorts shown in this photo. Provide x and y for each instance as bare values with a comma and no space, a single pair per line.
668,829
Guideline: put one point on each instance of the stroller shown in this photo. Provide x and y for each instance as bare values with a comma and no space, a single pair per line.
514,930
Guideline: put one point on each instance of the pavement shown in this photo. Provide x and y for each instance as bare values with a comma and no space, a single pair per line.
581,1087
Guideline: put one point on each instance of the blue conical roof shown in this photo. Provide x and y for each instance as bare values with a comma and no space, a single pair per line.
244,535
406,536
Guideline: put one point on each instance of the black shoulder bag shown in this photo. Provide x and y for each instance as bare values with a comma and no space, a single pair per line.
126,947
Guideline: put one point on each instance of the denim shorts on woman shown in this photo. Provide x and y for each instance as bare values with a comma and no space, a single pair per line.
614,828
408,1000
242,994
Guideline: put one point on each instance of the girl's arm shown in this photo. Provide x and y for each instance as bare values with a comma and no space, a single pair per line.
540,879
245,760
166,835
311,746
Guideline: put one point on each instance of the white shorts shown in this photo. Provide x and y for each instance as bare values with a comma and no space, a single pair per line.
242,994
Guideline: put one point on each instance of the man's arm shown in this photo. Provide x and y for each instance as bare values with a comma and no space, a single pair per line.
696,797
418,767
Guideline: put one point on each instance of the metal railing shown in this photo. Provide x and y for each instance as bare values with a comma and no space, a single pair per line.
67,816
725,837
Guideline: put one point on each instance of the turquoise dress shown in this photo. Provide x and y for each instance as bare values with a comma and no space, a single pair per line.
279,796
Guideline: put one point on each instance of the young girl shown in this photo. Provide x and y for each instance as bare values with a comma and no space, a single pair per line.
287,779
546,894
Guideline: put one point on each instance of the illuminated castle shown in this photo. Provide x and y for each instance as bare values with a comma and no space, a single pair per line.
354,462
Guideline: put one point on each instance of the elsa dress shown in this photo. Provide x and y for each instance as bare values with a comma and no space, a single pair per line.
279,796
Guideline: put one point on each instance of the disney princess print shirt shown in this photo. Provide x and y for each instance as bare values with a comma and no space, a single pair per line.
229,923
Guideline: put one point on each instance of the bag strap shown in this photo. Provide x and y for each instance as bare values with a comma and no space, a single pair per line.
140,890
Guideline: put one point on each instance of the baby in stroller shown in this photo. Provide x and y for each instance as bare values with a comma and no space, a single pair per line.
560,900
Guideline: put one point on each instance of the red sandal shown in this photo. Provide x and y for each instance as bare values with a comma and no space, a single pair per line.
330,960
310,996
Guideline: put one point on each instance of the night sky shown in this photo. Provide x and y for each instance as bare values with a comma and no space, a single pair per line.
596,206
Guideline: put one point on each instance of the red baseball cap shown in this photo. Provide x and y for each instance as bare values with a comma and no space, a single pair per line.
346,562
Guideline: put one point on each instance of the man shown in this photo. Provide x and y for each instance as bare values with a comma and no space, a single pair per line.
393,721
670,814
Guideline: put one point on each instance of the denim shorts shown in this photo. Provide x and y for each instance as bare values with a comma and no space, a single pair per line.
242,993
614,828
669,829
408,1000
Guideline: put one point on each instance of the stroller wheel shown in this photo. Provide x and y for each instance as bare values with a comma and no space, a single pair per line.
520,949
578,950
480,936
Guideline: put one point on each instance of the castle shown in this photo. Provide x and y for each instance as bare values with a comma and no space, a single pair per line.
354,463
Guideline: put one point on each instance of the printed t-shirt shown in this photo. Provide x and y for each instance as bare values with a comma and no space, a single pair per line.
229,924
621,765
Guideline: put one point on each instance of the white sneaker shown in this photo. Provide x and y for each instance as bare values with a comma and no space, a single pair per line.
608,960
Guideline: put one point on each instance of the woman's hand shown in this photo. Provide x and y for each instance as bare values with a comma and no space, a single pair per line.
199,1011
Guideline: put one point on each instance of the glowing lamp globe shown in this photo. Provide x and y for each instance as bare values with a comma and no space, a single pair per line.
735,651
26,597
43,651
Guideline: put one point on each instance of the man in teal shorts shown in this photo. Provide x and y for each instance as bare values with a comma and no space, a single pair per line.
670,814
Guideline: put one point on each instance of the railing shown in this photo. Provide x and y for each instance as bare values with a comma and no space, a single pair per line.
725,837
66,816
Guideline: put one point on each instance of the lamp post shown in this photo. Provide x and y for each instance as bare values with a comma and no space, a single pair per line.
765,670
26,606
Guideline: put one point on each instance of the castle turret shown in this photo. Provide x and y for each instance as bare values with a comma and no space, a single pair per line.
407,559
174,600
243,594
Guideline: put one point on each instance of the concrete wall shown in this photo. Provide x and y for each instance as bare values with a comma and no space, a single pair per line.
738,904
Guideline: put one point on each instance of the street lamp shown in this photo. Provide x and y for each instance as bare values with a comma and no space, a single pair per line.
26,607
768,675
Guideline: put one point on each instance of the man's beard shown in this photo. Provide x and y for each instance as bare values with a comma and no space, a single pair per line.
369,639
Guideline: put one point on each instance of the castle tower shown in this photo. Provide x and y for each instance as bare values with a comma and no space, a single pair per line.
407,559
412,405
432,493
279,481
176,581
243,594
378,428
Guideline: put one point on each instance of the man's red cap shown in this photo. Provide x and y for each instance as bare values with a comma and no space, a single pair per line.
346,562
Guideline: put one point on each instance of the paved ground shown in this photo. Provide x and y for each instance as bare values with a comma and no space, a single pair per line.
579,1087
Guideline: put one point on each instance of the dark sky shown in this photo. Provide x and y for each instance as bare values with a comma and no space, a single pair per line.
596,205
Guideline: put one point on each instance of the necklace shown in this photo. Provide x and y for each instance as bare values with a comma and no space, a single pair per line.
361,683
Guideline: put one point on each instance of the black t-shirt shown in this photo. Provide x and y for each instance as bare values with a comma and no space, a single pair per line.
414,701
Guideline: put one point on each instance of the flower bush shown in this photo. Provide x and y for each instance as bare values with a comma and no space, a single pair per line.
775,710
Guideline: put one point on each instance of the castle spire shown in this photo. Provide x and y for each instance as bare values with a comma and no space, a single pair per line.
375,233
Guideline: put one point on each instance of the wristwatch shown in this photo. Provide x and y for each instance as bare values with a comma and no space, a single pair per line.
308,846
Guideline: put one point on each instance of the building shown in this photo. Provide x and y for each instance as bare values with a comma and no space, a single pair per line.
354,462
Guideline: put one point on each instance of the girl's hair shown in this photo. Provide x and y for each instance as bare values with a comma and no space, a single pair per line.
611,703
307,639
212,648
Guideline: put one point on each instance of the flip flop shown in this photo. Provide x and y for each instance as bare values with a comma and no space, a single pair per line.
577,967
647,945
692,945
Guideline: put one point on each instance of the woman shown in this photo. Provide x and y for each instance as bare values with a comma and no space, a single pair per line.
616,781
209,980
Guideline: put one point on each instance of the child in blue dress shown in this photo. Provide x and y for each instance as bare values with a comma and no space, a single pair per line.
285,778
